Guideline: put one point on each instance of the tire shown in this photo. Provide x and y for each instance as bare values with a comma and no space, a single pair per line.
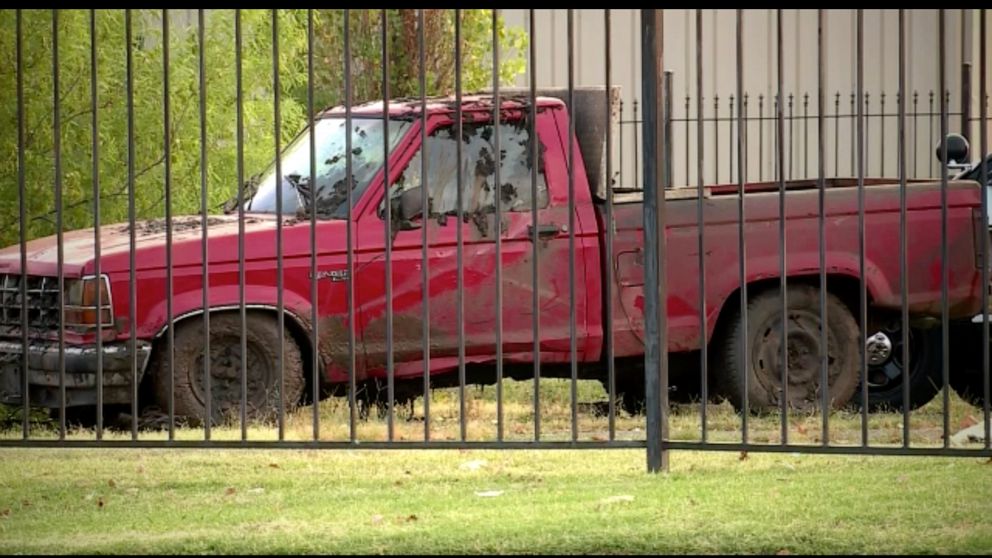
262,341
885,380
966,374
764,331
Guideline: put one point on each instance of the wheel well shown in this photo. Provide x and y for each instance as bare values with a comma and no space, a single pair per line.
294,327
845,287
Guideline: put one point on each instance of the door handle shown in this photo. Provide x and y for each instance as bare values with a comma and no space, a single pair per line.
543,231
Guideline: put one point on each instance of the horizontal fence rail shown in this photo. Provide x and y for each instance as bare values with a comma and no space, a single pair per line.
385,229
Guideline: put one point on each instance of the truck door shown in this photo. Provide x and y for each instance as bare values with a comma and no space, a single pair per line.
478,234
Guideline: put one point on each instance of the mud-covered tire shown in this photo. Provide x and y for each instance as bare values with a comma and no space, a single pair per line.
262,342
764,349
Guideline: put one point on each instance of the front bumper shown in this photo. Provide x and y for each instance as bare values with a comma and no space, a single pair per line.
80,378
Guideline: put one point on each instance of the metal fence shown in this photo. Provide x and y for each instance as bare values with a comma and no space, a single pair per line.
413,262
719,135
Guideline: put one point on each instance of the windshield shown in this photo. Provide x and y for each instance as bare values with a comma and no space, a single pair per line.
331,186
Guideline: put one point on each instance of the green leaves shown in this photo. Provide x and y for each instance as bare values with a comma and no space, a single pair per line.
184,97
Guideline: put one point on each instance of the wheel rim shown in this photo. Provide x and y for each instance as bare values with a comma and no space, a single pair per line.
225,376
886,374
803,358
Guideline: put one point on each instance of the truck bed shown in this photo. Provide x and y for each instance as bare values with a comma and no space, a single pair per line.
762,269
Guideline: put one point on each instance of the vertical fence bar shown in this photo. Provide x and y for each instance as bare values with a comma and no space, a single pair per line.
94,124
903,241
942,68
314,298
983,127
780,174
535,272
132,238
863,296
716,139
741,244
965,94
761,138
930,133
853,127
637,149
610,226
792,137
837,133
806,135
167,148
280,303
656,341
22,233
821,221
241,224
205,278
459,241
881,134
688,166
700,226
390,379
499,228
60,255
669,112
916,135
743,130
349,163
424,240
622,122
730,139
571,227
867,130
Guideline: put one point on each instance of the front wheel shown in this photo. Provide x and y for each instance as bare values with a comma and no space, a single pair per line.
261,367
760,348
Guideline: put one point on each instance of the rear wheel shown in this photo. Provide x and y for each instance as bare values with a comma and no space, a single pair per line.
261,366
763,352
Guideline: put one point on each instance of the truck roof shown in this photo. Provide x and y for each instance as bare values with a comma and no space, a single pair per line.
408,107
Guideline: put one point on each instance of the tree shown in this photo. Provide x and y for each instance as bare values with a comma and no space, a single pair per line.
365,28
221,102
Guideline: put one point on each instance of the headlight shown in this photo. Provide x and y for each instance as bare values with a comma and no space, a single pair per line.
81,303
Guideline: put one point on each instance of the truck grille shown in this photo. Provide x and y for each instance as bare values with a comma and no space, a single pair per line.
43,302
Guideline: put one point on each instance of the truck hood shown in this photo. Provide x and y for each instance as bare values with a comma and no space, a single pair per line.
150,244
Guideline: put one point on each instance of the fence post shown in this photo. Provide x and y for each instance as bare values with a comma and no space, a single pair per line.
655,172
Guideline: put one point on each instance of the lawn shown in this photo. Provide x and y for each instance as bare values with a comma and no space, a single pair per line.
481,501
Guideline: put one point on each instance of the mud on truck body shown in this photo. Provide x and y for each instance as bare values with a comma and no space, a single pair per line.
475,231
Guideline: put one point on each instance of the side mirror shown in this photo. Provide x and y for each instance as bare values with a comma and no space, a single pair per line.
406,207
957,149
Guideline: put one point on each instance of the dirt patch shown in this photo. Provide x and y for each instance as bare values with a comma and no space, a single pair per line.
332,345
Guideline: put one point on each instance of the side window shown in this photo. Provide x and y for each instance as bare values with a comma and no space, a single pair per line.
478,170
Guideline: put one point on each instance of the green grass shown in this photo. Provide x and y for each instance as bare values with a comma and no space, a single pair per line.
602,501
167,501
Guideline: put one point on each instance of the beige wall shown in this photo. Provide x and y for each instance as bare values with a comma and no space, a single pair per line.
881,72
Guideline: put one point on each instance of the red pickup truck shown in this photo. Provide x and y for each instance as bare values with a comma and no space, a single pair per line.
477,229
